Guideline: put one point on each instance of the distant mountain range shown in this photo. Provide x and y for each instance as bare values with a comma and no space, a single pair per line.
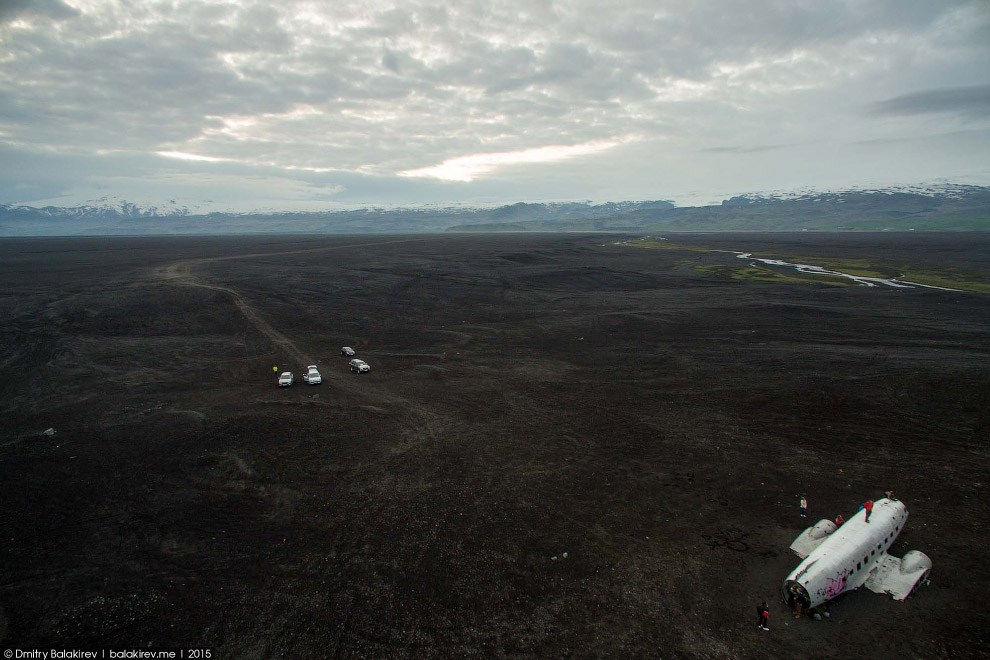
946,207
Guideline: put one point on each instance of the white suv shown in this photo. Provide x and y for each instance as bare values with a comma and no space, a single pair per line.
312,375
285,379
359,366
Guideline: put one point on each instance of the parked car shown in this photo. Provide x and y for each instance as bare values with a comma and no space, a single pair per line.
285,379
359,366
346,351
313,376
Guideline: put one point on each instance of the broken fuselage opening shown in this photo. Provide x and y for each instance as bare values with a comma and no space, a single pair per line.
795,594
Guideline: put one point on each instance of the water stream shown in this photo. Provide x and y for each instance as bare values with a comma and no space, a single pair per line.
818,270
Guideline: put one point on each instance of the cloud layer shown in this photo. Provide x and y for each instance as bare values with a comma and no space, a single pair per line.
412,101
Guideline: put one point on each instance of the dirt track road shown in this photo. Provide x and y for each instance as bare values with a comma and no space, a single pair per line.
181,273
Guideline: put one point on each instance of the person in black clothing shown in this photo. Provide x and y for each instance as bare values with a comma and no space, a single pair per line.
763,616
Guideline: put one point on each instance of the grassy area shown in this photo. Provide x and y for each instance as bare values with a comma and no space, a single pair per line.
666,245
922,224
949,278
769,275
975,282
857,267
712,270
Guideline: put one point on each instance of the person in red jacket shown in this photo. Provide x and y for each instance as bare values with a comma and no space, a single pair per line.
763,616
868,505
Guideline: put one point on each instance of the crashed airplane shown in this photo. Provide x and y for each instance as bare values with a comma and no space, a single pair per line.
840,559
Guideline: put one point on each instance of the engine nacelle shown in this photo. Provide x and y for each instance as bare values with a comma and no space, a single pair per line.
822,528
915,561
812,537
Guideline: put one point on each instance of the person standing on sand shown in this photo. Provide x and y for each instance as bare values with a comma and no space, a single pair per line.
804,506
763,616
868,505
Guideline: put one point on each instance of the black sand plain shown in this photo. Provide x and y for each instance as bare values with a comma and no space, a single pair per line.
531,396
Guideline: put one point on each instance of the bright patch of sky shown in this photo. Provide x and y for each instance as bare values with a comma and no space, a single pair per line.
468,168
302,103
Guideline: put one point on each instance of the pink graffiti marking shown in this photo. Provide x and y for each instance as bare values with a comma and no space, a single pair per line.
834,586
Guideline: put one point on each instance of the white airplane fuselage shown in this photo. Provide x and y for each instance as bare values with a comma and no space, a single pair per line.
850,556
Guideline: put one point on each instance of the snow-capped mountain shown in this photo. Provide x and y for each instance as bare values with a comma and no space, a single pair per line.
940,189
107,207
935,206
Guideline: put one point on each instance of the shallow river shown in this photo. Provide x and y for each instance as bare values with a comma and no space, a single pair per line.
818,270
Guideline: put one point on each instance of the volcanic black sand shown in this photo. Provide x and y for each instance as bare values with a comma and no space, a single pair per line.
565,446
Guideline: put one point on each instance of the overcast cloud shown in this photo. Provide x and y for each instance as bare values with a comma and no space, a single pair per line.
301,104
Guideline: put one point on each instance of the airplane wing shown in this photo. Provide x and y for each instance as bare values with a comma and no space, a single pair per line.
898,577
812,537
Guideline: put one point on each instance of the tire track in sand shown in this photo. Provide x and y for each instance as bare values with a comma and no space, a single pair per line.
181,274
415,416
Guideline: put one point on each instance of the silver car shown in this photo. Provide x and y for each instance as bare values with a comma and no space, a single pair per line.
312,375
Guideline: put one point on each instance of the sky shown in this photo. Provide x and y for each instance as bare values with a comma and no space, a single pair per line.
301,104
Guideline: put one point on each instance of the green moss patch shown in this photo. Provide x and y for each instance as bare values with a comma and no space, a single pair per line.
666,245
950,278
768,275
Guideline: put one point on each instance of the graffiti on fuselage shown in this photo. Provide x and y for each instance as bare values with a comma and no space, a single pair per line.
834,586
